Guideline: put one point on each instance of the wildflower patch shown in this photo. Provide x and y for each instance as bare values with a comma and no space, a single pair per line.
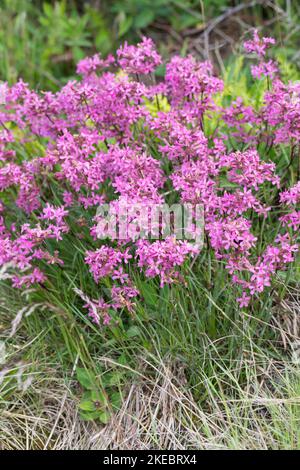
114,135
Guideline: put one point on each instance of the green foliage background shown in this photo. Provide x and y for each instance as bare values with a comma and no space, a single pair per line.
41,41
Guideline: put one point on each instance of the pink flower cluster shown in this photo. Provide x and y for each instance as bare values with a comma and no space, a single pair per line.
162,257
140,59
96,140
259,47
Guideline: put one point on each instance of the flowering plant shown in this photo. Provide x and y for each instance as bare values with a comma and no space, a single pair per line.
116,133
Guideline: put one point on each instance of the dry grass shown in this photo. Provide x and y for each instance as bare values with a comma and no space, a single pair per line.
287,319
160,413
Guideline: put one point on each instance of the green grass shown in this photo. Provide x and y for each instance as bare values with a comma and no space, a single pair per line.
41,42
231,382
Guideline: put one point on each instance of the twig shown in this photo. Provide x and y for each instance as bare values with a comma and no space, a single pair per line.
231,11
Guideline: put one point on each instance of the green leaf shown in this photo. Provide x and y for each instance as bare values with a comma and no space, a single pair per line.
87,396
85,378
87,405
104,417
97,395
89,415
125,24
116,399
144,18
122,360
133,331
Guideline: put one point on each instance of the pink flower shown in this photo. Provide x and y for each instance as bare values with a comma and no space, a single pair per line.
258,45
140,59
92,64
292,195
37,276
244,300
264,69
162,257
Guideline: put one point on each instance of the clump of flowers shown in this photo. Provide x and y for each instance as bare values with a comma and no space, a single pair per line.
140,59
97,141
259,47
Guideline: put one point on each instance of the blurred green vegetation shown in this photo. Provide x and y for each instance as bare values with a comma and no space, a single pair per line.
41,41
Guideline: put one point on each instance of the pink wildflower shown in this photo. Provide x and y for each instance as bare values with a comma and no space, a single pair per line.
140,59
